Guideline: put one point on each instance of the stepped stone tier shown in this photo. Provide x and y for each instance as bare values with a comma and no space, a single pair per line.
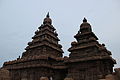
43,58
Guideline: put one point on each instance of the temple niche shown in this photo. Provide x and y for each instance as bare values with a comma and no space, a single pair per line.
43,57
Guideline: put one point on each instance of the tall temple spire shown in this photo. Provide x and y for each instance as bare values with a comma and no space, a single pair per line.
87,55
43,56
45,39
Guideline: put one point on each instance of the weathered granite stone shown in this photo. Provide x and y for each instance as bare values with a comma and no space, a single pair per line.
4,74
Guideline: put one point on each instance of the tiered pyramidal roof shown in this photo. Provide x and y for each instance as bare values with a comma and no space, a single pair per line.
44,46
45,41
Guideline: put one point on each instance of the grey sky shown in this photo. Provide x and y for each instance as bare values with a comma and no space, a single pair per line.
19,19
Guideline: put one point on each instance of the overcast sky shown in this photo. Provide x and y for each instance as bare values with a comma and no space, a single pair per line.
19,19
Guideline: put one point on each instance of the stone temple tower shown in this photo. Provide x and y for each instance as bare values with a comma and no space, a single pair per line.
88,60
42,58
45,41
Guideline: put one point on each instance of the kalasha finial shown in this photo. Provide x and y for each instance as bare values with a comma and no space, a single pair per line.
47,19
84,20
47,15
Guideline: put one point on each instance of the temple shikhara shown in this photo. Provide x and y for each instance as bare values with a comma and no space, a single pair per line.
43,57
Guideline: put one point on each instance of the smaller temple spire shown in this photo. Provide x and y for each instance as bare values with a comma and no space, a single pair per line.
48,15
84,20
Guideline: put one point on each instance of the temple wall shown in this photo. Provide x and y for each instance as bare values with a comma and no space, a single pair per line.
30,74
83,71
4,74
37,73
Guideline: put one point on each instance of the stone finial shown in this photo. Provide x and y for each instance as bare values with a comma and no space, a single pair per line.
47,19
48,15
84,20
